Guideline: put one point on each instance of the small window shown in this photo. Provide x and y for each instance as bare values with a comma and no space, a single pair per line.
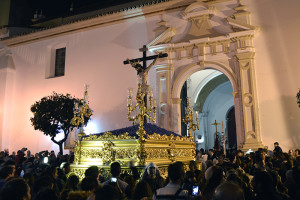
60,58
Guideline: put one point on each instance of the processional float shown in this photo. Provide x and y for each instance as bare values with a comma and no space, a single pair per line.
141,143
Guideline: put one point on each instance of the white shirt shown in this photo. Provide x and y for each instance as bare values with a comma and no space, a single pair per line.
170,189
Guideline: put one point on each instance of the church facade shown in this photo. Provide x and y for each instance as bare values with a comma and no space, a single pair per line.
237,61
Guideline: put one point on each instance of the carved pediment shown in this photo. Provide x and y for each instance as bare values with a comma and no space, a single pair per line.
206,32
163,38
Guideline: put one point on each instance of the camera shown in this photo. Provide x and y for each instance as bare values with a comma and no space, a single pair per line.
195,191
113,180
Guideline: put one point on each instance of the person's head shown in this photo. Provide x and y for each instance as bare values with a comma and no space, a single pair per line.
176,172
78,195
107,192
51,171
6,172
228,191
65,166
115,169
72,182
193,165
41,183
29,178
16,189
211,152
92,171
297,152
89,184
291,152
276,144
141,190
240,153
262,182
46,194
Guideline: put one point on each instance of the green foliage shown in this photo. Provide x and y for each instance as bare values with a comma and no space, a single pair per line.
53,115
298,98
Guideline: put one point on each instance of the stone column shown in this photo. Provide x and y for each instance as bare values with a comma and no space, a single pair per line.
176,116
163,95
7,75
249,101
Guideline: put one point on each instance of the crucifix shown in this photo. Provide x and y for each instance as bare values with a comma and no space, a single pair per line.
217,145
216,124
142,70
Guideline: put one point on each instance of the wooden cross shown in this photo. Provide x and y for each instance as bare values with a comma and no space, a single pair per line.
216,124
143,69
145,57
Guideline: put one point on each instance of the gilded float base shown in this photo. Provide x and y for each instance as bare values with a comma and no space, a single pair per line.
107,148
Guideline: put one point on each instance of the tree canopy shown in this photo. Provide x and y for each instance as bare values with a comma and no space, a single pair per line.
53,115
298,98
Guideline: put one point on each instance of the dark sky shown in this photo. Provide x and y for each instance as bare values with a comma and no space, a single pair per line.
22,11
52,8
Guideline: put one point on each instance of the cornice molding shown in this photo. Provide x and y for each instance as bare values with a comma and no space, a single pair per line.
97,22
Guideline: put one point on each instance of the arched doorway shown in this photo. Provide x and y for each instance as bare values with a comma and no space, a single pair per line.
210,92
231,128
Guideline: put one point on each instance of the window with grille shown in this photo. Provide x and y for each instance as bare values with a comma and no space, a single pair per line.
60,58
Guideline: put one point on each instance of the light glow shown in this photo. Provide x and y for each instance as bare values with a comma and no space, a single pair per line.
91,128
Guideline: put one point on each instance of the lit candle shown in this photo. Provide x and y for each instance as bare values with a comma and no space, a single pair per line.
197,115
150,92
76,106
222,127
154,103
129,93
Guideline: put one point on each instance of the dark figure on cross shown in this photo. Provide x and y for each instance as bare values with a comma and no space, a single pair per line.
142,69
142,72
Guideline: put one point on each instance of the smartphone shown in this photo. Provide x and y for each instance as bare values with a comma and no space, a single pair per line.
195,191
113,180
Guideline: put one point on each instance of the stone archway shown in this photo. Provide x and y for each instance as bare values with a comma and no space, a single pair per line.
188,71
199,47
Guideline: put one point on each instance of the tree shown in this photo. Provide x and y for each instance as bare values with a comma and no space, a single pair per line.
298,98
53,114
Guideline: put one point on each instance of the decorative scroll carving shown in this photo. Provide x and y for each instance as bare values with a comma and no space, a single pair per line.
108,136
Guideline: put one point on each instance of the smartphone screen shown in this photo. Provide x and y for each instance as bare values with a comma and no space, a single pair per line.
113,180
195,190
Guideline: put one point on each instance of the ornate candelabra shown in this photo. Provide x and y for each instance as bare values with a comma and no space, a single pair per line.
81,111
143,111
189,119
224,140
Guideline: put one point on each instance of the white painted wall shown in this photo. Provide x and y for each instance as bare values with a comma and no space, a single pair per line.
277,70
95,57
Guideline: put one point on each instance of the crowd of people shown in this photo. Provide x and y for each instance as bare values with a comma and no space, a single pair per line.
260,175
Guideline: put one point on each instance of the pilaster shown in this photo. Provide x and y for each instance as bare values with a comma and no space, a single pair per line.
163,93
245,62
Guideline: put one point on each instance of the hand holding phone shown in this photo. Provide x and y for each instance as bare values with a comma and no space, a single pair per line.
114,180
195,191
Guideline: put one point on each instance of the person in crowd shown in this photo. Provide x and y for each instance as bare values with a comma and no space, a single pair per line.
277,148
71,185
143,191
107,192
115,180
15,189
46,194
89,184
152,176
263,187
214,176
211,155
5,173
228,191
173,189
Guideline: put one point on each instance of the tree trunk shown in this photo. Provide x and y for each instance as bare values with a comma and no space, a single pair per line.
61,148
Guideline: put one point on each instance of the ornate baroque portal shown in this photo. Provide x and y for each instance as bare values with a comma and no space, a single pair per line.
203,47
